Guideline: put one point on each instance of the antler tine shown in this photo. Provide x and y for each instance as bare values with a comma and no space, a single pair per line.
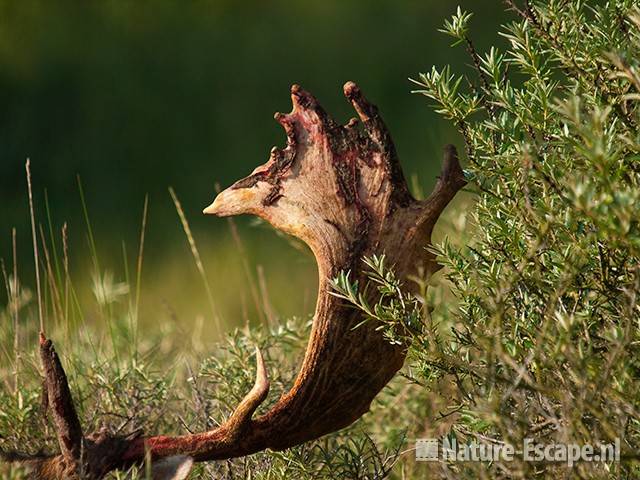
241,416
60,402
213,444
380,135
450,181
307,105
287,123
368,113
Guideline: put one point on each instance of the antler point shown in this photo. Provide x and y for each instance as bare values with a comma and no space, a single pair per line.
350,89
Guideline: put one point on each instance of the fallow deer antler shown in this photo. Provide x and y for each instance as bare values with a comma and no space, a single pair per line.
341,190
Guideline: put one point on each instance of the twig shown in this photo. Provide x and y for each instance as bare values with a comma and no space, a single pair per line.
16,310
196,257
35,245
55,295
65,252
143,230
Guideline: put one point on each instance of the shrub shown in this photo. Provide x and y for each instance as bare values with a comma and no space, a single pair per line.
544,342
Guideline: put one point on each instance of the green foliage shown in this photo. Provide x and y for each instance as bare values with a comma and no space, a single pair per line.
132,394
458,26
544,341
531,330
398,313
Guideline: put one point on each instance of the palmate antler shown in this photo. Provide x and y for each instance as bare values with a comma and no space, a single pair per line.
340,189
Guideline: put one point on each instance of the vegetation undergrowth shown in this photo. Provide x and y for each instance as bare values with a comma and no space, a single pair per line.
530,332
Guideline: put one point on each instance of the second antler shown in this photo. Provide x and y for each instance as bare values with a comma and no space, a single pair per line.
341,190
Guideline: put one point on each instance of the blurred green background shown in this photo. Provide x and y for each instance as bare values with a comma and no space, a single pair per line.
136,96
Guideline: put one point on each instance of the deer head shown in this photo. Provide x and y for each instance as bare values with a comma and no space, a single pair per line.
340,189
